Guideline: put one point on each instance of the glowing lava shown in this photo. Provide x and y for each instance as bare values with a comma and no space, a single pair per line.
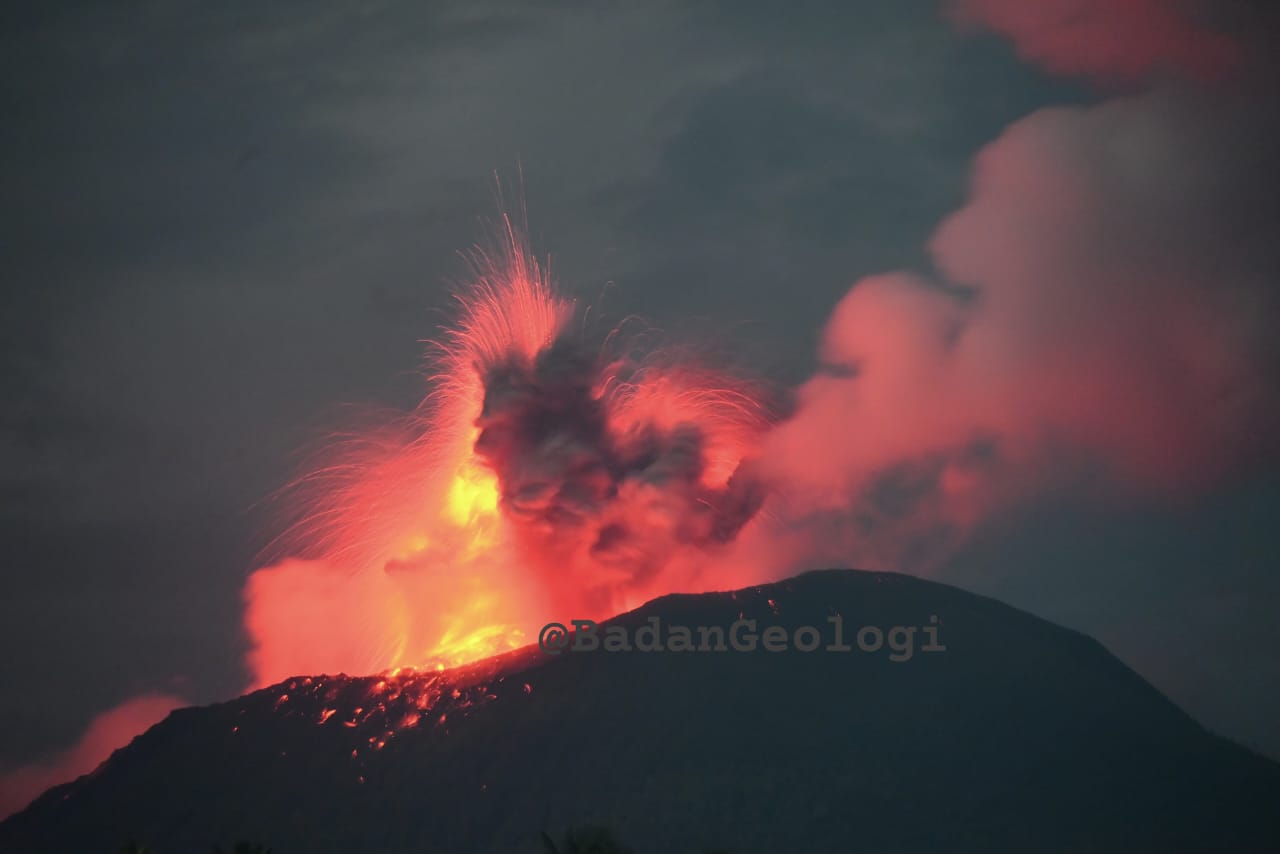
547,475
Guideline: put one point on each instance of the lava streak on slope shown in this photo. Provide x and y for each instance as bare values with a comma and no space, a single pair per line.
548,472
373,711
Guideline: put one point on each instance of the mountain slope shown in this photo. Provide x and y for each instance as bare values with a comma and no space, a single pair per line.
1020,736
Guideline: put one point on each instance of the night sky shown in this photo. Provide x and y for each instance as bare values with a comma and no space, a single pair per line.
228,227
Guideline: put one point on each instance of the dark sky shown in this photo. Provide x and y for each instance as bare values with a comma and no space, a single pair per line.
222,223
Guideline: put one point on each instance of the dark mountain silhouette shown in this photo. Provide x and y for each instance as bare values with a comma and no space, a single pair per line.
1021,736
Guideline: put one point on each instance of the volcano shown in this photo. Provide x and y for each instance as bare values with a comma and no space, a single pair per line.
1018,736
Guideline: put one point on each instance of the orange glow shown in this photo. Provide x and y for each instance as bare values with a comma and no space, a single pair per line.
473,496
418,546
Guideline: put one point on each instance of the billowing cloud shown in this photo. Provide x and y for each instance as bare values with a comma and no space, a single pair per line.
1105,292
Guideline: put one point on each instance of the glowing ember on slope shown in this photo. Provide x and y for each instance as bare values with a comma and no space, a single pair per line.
546,474
368,714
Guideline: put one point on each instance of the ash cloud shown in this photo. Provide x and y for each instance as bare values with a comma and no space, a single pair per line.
582,483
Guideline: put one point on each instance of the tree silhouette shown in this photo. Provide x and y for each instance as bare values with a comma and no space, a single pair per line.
243,848
595,840
586,840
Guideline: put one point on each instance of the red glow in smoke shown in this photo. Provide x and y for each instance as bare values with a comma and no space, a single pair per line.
108,731
541,478
1113,40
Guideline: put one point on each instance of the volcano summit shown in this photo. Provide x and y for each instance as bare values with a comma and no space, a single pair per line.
1021,736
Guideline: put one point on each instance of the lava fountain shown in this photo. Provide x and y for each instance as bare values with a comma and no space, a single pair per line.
549,473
